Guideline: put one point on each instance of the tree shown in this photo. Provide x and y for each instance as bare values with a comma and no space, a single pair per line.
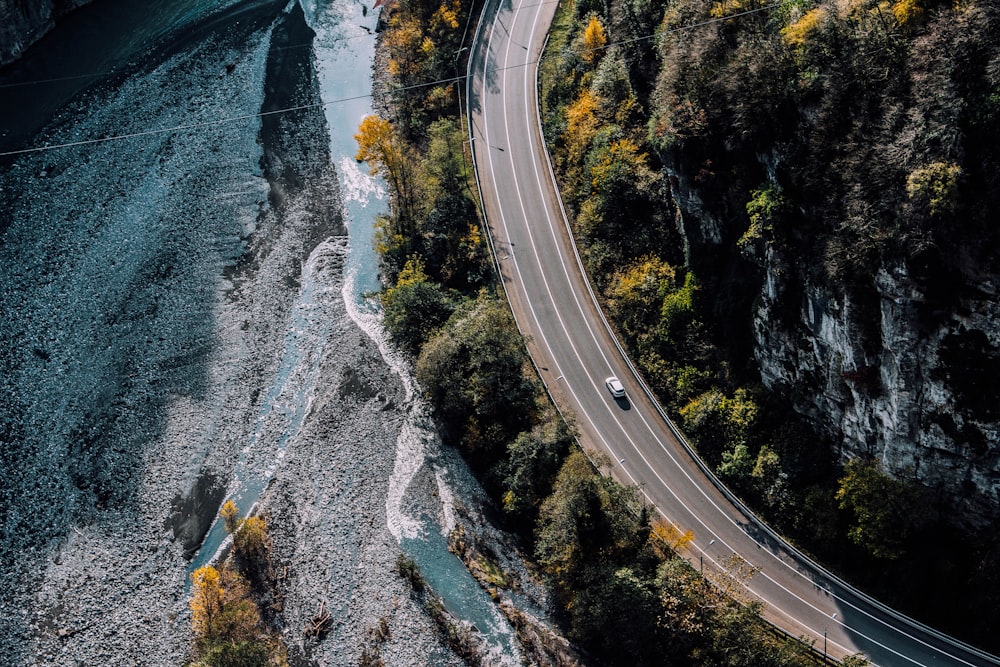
404,41
415,307
887,512
581,127
636,293
765,209
685,602
935,186
737,465
252,542
570,522
668,539
207,598
613,89
616,618
621,191
386,154
448,237
230,516
588,523
769,478
445,162
529,469
802,31
414,312
718,424
473,370
594,39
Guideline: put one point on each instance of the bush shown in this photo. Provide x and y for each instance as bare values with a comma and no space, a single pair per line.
474,373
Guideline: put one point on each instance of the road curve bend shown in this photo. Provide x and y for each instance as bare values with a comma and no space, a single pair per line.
574,351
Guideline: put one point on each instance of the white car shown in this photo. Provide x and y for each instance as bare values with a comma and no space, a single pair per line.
614,385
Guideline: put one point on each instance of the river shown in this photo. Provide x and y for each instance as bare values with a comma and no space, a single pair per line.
187,317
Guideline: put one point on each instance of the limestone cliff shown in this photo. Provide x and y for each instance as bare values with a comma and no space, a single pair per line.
899,391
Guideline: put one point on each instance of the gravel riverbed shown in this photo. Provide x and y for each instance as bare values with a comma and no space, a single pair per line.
174,322
150,290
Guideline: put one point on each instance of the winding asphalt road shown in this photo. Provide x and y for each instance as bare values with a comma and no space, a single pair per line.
572,347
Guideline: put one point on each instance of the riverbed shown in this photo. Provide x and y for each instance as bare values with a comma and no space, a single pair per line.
186,318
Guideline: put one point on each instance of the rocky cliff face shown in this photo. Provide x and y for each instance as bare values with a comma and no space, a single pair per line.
23,22
889,374
890,388
855,159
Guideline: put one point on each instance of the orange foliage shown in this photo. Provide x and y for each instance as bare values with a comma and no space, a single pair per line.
207,598
668,535
594,39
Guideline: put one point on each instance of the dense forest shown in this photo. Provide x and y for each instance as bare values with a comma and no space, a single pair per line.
790,205
625,597
780,205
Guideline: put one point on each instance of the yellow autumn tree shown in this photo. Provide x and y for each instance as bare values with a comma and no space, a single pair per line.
907,11
382,149
402,42
581,127
624,154
446,16
636,292
230,516
594,40
730,7
666,535
252,541
207,599
935,186
377,144
412,272
798,34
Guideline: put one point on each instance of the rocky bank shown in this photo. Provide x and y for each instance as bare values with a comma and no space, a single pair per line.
151,292
176,325
23,22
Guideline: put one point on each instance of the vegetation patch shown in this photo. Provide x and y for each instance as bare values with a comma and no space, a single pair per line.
827,140
235,607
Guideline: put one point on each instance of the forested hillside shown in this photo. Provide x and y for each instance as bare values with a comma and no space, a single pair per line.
623,594
788,210
848,151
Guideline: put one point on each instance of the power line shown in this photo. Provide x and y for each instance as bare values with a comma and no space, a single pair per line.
35,82
438,82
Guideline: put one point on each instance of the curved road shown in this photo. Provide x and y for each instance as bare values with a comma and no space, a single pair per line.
574,351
